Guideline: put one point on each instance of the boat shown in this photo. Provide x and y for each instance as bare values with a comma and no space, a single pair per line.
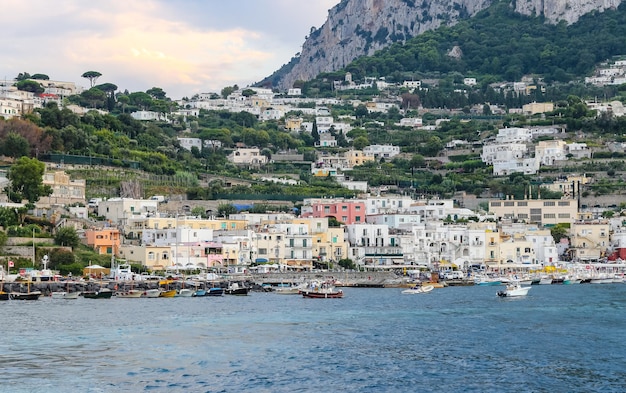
200,292
568,280
324,290
514,289
545,280
34,295
168,293
287,290
236,289
129,294
28,295
487,281
418,289
151,293
64,295
4,295
215,291
185,292
103,293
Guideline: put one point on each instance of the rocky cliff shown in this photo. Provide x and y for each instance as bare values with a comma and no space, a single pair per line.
356,28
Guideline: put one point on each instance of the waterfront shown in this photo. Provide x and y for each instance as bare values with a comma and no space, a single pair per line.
558,338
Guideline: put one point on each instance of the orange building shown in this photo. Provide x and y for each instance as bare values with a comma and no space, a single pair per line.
103,241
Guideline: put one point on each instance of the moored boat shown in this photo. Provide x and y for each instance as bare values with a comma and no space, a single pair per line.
168,293
129,294
64,295
185,292
418,289
324,290
103,293
215,291
151,293
32,295
4,295
236,289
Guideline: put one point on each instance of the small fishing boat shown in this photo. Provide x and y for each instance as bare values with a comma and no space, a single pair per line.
185,292
168,293
290,290
103,293
151,293
200,292
215,291
4,295
28,295
325,290
418,289
514,289
129,294
236,289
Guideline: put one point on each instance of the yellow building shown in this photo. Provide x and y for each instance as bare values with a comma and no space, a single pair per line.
152,257
64,190
293,124
538,211
136,226
356,157
538,107
589,240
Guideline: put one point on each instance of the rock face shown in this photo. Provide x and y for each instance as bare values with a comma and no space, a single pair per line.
356,28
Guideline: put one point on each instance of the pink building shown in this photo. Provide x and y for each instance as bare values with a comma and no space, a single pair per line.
348,212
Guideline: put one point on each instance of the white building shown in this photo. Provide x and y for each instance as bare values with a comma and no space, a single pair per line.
381,151
247,156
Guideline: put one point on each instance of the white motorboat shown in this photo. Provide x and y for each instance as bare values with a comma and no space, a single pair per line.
545,280
514,290
288,290
151,293
186,292
418,289
64,295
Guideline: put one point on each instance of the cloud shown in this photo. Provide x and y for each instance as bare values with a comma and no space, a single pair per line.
184,47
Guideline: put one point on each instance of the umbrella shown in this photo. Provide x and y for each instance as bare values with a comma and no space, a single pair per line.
95,267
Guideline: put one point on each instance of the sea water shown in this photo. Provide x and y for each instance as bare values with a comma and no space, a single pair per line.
559,338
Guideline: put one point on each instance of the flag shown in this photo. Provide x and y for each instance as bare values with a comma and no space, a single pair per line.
11,264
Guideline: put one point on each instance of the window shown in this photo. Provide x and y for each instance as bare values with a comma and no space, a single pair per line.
496,204
151,256
304,243
357,208
509,203
523,203
549,215
357,218
344,208
262,251
563,203
522,216
564,215
549,203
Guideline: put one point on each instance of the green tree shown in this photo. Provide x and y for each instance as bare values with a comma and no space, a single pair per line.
226,209
360,142
558,232
26,180
94,96
157,93
30,85
92,76
15,146
41,77
228,90
67,237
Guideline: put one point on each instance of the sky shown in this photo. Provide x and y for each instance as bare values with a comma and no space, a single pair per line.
182,46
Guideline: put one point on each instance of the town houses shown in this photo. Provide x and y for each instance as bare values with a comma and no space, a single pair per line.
389,232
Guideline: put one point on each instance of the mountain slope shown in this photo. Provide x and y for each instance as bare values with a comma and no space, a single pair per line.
356,28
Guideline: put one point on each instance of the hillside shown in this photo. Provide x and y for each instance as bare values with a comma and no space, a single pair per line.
357,28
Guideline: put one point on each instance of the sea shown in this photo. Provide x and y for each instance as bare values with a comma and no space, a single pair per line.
559,338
